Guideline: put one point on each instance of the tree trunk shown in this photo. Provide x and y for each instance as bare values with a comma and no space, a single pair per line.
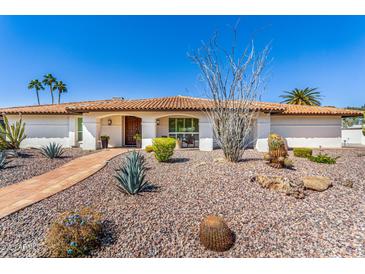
59,97
52,94
38,97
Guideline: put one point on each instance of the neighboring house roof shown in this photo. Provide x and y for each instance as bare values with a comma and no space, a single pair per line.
182,103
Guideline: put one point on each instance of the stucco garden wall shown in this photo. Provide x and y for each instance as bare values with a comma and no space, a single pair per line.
42,130
353,136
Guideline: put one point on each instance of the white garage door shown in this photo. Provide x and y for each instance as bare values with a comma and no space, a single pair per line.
308,131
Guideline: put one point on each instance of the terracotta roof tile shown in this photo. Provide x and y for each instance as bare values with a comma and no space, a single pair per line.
182,103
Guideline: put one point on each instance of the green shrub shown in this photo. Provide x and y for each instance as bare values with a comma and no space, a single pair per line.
163,148
104,137
323,159
3,159
302,152
52,151
11,135
131,176
149,149
74,234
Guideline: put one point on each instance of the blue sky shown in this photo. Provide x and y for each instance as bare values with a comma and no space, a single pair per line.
146,56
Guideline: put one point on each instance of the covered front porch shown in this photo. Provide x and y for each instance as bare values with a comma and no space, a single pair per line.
124,129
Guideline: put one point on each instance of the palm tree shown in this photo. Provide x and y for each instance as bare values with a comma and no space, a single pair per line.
61,87
49,80
307,96
35,84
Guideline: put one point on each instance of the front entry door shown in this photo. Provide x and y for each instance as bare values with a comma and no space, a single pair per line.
132,126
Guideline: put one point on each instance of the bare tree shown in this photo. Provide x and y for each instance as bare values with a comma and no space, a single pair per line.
234,83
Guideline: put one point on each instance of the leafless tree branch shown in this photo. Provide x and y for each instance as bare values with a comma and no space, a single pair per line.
234,84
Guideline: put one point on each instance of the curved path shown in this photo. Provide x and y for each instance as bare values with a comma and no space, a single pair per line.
28,192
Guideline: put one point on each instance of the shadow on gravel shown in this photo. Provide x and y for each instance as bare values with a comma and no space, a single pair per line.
151,188
109,235
178,160
25,155
12,166
250,160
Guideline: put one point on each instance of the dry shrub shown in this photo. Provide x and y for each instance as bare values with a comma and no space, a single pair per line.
74,234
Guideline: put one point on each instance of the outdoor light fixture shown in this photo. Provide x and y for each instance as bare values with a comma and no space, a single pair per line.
110,122
158,122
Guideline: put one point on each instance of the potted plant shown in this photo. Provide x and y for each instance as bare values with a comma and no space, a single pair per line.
104,141
138,139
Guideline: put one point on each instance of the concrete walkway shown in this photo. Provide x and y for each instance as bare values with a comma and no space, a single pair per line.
28,192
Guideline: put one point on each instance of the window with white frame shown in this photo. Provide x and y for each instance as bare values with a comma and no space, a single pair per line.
186,130
79,129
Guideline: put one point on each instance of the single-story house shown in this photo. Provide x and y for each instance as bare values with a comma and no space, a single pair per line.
82,123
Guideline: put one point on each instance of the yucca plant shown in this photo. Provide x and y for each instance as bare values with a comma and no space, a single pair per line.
3,160
131,176
52,150
12,135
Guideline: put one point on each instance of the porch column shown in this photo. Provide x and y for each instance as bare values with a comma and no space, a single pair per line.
91,132
263,130
148,131
205,135
72,130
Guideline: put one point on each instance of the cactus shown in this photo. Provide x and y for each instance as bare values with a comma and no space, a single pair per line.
278,152
131,176
3,160
215,234
52,151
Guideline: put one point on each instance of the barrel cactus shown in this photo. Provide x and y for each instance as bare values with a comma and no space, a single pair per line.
278,151
215,234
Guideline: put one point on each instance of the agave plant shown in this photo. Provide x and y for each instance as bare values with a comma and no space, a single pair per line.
11,135
52,151
131,176
3,159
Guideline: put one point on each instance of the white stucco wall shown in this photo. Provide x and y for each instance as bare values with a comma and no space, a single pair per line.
308,131
42,130
353,136
263,127
114,131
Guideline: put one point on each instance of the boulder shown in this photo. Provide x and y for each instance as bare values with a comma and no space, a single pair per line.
317,183
273,182
281,184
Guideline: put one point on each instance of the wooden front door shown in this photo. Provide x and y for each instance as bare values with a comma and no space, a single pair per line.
132,126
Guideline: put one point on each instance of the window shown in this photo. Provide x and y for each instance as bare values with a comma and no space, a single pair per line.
186,130
79,129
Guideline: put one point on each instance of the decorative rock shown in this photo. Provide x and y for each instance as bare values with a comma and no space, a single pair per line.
318,183
219,160
215,234
273,182
281,184
348,183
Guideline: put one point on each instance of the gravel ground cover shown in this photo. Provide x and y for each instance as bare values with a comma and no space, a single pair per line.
31,163
165,223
